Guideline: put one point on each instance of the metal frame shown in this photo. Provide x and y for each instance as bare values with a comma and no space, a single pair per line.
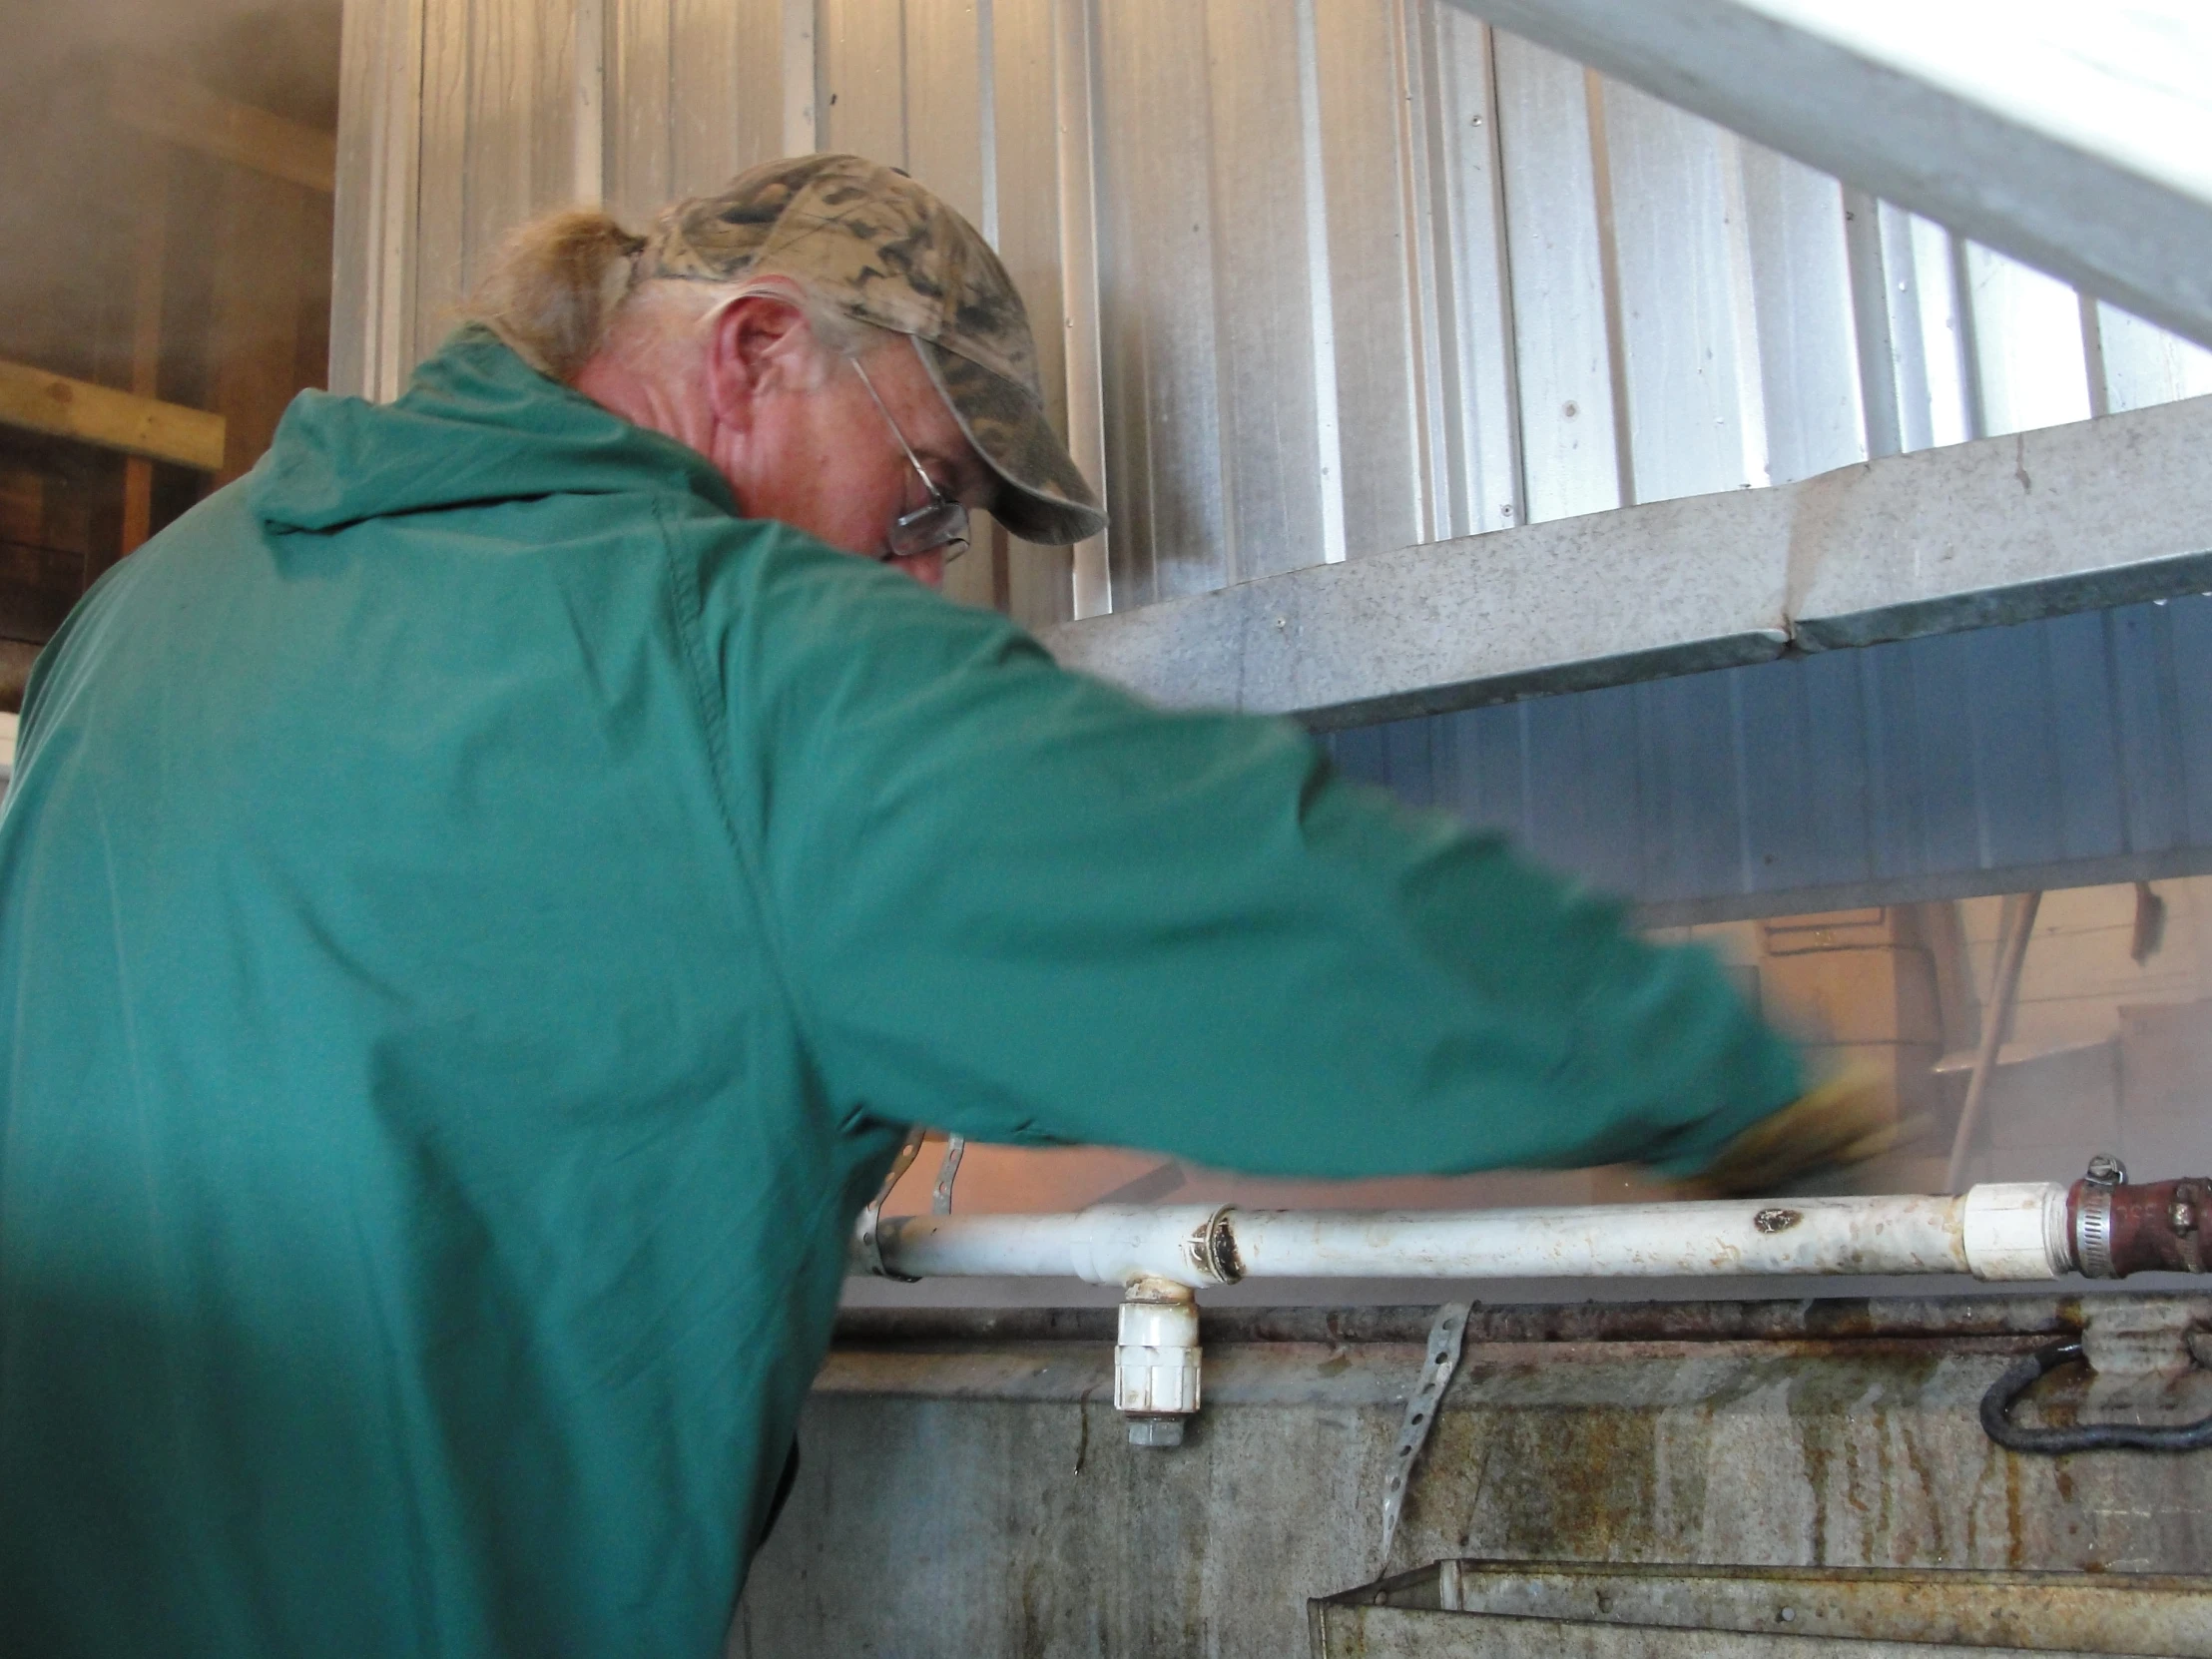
1998,167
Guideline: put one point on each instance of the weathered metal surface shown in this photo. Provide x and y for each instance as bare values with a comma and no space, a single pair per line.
1388,1633
1486,1607
2007,1319
965,1490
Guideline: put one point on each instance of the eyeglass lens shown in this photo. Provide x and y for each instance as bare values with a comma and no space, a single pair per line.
941,524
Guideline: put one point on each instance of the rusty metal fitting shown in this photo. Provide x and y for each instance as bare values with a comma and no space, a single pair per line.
2119,1227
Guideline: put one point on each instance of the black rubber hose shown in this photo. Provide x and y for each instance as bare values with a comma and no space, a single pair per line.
2022,1375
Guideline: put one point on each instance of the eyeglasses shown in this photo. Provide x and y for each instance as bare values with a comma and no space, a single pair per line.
941,524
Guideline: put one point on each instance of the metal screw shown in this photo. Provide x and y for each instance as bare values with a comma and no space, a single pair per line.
2106,1171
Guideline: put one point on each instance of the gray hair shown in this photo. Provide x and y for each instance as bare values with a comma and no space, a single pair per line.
562,285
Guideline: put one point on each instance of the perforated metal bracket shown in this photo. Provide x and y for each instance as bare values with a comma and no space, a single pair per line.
1438,1366
940,1198
867,1244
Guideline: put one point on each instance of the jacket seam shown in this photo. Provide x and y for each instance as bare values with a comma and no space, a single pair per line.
715,719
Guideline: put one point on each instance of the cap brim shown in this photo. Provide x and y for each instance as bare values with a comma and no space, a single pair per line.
1044,496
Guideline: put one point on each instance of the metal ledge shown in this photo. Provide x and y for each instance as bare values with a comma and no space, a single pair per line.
2103,512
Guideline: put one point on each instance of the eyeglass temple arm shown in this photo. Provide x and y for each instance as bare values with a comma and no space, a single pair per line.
928,483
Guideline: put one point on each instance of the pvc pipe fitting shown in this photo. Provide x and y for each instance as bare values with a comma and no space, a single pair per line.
1156,1360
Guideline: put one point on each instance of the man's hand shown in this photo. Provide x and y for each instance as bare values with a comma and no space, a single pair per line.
1846,1120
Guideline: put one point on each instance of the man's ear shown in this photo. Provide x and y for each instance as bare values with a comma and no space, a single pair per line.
759,345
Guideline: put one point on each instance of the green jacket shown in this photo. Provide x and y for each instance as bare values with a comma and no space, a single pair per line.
474,919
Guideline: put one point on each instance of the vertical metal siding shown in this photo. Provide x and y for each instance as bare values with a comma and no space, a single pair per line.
1375,273
1154,129
1264,372
1563,344
2144,364
1312,280
1466,209
1696,416
1957,762
1023,170
2027,340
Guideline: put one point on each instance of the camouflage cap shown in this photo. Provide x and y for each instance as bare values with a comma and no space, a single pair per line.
880,248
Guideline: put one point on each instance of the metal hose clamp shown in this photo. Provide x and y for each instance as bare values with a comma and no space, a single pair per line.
2093,1217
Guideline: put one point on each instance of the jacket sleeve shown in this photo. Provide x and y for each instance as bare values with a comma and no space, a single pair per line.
1019,904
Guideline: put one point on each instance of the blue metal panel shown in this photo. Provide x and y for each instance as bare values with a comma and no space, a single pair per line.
2092,822
2189,629
2073,750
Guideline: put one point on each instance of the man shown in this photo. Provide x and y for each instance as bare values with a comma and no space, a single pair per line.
481,899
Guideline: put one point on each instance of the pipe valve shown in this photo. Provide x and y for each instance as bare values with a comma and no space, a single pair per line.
1156,1360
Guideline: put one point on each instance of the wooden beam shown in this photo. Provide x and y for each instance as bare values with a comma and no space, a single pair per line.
166,105
42,402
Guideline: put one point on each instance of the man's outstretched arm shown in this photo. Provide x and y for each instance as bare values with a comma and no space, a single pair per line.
1019,904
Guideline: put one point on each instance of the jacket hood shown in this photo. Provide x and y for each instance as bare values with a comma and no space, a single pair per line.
477,425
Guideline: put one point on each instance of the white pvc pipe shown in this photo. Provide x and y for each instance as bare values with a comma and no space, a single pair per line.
1635,1241
2000,1230
1108,1244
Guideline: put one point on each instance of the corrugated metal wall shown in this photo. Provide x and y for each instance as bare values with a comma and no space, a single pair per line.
2057,753
1313,277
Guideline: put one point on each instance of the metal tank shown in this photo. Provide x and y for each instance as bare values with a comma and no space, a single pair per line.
1602,1479
1943,1474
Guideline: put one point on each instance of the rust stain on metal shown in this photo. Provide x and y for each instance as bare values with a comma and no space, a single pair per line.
1837,1431
2014,1554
